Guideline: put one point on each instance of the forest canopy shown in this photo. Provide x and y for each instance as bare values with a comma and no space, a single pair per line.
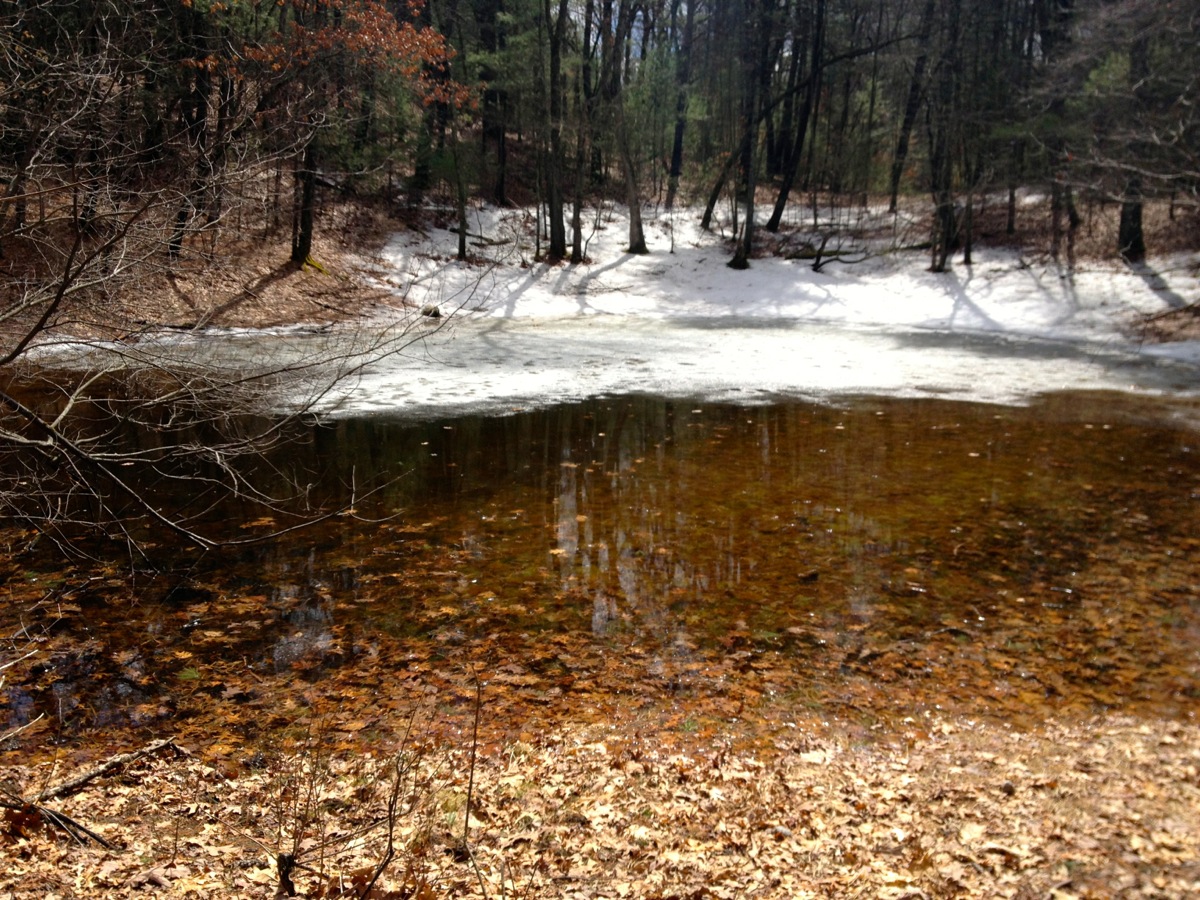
186,114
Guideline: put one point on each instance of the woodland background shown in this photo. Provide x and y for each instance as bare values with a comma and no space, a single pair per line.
185,123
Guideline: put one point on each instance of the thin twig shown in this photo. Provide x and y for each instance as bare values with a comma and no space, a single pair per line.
474,747
466,845
78,832
13,662
13,732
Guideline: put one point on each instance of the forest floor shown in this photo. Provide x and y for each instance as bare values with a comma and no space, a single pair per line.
1096,807
659,800
253,284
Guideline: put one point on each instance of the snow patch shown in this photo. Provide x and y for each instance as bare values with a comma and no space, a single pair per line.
679,322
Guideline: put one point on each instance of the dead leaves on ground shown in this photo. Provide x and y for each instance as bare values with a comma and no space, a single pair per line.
1090,809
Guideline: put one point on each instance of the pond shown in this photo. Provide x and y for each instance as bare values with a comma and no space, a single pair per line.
672,563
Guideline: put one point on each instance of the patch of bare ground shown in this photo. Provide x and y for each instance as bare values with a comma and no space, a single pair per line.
1168,230
238,277
250,282
1094,808
1172,325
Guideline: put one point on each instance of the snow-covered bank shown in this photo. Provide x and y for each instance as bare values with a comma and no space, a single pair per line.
680,322
685,275
514,333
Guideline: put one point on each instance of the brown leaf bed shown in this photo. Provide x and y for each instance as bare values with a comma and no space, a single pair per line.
1089,808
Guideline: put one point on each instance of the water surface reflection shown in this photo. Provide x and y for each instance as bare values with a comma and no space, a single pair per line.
880,559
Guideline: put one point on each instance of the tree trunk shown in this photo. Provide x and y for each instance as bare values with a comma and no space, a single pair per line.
637,237
194,111
1016,158
863,170
460,186
220,151
495,100
554,165
943,121
792,165
682,77
16,189
715,194
968,229
583,97
1131,239
577,204
913,104
754,44
615,64
782,151
422,177
302,239
944,225
1056,216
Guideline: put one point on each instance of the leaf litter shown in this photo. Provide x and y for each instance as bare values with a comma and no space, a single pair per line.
1096,807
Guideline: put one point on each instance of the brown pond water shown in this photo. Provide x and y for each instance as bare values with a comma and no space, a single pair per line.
653,561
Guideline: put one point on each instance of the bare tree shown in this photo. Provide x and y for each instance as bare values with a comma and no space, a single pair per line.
943,125
1122,103
556,25
755,40
615,74
683,74
110,180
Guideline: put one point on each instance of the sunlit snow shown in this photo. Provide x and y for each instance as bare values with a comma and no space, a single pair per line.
679,322
513,333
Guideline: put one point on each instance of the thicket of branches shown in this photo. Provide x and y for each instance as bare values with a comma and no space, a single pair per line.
134,136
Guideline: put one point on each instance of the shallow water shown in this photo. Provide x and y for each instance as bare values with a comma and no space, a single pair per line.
872,561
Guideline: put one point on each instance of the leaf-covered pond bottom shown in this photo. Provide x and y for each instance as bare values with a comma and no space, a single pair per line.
682,567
